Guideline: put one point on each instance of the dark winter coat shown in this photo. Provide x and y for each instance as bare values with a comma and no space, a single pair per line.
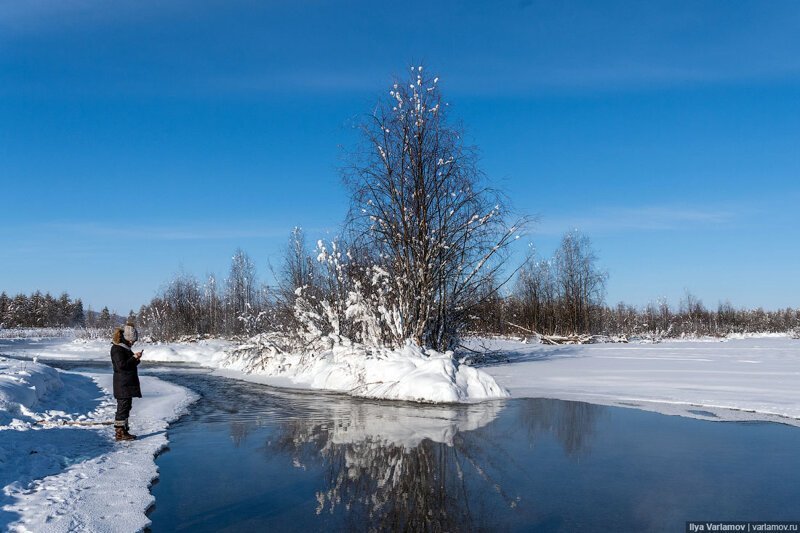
126,377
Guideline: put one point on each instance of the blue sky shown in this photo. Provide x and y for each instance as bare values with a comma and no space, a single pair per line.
144,138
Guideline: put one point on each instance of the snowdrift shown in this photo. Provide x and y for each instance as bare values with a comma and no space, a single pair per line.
409,373
22,385
209,353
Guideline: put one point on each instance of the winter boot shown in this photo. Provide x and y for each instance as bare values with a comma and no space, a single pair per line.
127,433
121,434
121,431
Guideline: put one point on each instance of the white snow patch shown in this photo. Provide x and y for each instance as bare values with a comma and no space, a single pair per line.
208,353
65,349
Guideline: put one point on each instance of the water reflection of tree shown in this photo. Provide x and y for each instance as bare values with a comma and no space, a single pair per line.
239,431
437,469
571,423
383,486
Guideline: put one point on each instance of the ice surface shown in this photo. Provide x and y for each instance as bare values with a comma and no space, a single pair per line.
735,379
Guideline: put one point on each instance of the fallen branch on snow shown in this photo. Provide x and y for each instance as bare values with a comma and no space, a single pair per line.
75,423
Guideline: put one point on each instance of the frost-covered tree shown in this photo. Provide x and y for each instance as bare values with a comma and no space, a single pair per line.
536,293
299,290
179,309
184,301
212,315
38,312
41,310
580,282
242,302
63,310
564,294
298,267
422,210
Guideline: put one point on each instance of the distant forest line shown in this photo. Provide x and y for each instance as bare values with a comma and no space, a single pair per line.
43,310
560,295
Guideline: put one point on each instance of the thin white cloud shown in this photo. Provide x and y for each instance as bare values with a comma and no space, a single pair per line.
645,218
614,54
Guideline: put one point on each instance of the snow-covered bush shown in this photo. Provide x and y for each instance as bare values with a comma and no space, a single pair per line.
347,302
346,322
408,373
261,354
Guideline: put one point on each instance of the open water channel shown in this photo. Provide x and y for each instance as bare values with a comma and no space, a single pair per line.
249,457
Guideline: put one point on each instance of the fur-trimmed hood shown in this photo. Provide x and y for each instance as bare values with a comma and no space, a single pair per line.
128,333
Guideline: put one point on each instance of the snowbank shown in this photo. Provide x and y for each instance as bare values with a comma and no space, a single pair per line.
738,379
22,385
409,373
208,353
74,476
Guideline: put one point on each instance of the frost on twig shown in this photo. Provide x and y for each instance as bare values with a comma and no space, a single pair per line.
423,215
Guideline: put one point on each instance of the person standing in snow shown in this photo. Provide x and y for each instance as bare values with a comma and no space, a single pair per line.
126,377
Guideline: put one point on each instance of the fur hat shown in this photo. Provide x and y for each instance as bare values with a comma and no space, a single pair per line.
130,333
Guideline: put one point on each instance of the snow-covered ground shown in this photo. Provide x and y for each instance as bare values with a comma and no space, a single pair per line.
735,379
73,476
742,378
409,373
205,352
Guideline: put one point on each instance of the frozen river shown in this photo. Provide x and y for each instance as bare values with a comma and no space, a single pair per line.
251,457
